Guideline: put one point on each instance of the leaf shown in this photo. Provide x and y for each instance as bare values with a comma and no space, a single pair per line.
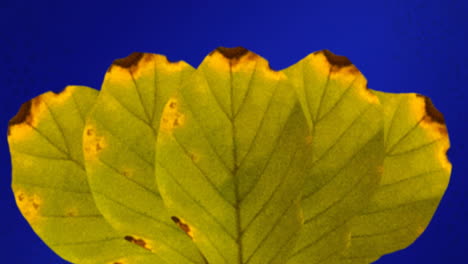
347,142
231,154
119,143
416,175
230,163
50,185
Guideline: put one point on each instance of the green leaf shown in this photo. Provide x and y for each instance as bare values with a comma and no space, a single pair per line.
50,185
231,155
416,175
119,140
347,142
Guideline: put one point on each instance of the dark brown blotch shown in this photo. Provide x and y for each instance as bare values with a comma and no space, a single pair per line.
431,111
129,61
137,241
182,225
336,60
23,115
232,53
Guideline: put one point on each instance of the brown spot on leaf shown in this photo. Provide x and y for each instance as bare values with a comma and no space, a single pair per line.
29,205
182,225
89,131
23,116
171,117
336,60
432,113
193,157
137,241
232,53
129,61
93,144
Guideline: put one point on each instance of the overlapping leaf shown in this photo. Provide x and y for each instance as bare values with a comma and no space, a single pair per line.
347,141
229,163
119,145
50,184
416,174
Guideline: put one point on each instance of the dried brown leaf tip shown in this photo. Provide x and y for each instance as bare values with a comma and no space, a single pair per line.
236,55
432,117
129,61
338,62
431,112
233,53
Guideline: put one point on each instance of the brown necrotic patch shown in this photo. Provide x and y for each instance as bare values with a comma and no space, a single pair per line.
129,61
232,53
137,241
336,60
22,115
25,114
432,113
182,225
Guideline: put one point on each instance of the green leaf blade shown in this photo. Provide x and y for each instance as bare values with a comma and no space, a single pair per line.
230,156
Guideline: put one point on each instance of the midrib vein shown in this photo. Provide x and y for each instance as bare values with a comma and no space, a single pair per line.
235,169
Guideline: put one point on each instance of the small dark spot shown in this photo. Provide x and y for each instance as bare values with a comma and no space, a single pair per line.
431,111
98,147
21,116
193,157
176,122
20,197
129,61
175,219
35,205
89,131
336,60
172,105
232,53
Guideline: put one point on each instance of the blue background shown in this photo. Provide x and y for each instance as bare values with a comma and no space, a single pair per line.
400,46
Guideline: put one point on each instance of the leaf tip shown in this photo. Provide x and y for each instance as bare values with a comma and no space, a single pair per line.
336,60
23,116
431,111
129,61
232,53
